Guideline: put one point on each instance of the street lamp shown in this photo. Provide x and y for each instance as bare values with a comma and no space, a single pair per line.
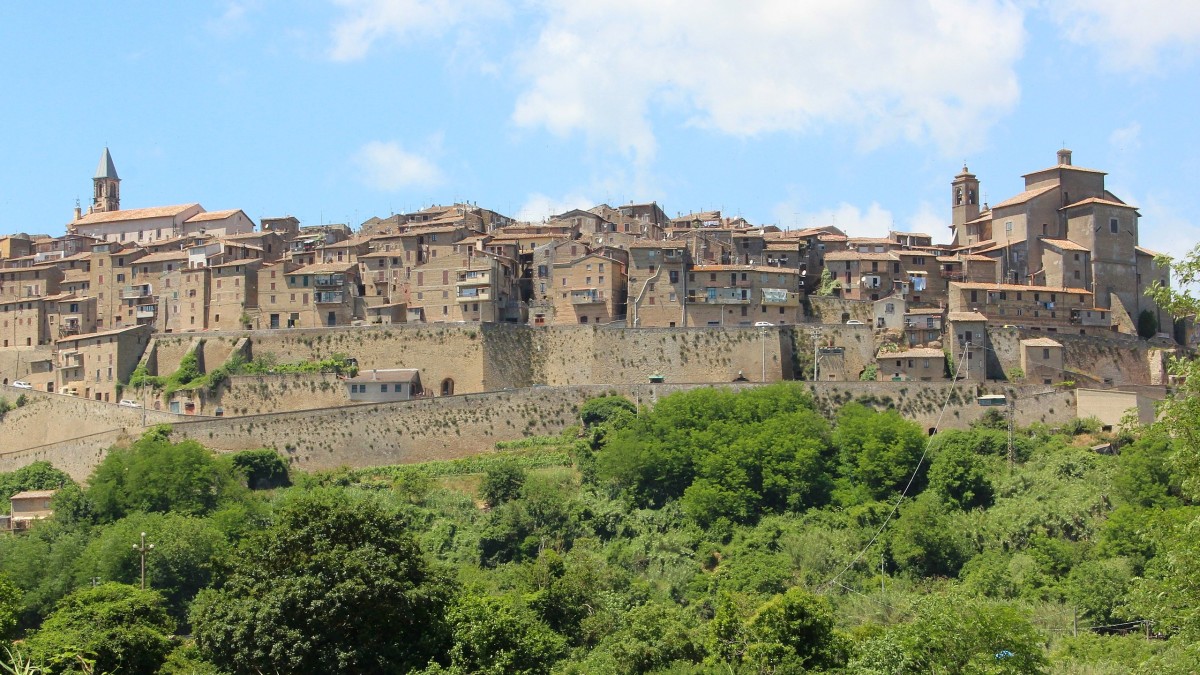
142,549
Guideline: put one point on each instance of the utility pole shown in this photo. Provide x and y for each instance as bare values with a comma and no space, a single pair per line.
816,353
142,549
882,573
1012,411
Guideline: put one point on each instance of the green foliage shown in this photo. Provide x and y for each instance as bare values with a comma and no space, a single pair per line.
870,373
155,474
959,478
40,475
792,632
264,469
500,636
828,285
611,409
502,483
877,452
10,608
736,455
924,543
107,629
1080,426
956,634
312,593
266,364
1147,325
1144,476
180,565
1015,373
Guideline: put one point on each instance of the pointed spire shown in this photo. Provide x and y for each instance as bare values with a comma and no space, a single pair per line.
106,168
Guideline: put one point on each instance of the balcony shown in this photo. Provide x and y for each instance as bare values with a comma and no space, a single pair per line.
744,283
474,294
474,278
136,291
953,275
379,278
778,297
68,328
328,297
722,296
587,297
329,281
70,359
146,312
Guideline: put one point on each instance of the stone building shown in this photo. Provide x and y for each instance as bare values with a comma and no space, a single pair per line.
920,364
94,365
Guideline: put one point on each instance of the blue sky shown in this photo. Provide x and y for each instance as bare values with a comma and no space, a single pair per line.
855,113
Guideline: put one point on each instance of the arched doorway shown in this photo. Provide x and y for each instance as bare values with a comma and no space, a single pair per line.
447,387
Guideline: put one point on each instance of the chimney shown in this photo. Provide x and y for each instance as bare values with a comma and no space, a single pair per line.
1064,157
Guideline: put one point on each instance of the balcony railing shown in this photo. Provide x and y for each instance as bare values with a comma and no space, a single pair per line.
328,297
138,291
474,294
953,275
146,312
483,278
329,281
586,298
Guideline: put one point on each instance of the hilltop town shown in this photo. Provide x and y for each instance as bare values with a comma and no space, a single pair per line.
1026,291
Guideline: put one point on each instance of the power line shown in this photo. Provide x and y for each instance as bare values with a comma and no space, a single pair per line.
908,486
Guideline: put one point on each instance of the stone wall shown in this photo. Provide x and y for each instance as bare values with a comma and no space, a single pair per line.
261,394
457,426
1112,359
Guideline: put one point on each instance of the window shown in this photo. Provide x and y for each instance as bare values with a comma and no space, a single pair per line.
383,388
1008,226
674,275
1114,225
1045,353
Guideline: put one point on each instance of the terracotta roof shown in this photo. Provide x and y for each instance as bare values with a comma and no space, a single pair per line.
855,255
1025,196
134,214
966,316
212,215
163,256
871,240
1145,251
249,262
925,311
1017,287
658,244
34,494
1097,200
917,353
325,268
1071,167
744,268
1040,342
1065,244
386,375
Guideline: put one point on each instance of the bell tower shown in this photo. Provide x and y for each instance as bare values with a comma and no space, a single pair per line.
964,196
106,195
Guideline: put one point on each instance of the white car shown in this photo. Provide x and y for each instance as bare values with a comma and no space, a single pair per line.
22,384
854,322
763,324
129,403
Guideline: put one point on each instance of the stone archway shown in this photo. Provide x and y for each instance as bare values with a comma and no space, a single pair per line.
447,387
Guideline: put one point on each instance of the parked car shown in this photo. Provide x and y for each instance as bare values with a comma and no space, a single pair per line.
763,324
70,391
129,403
854,322
22,384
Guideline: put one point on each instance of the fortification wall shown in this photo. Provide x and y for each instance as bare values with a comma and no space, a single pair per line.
262,394
1114,359
457,426
169,351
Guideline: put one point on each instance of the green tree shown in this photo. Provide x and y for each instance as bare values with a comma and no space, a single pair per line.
335,584
10,609
1147,325
500,636
612,409
792,632
181,564
1144,477
959,478
114,627
923,543
38,475
502,482
877,451
264,469
157,475
956,634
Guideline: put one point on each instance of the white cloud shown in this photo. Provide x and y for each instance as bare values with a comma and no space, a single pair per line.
889,71
539,206
388,167
366,22
931,221
1164,230
1132,36
234,20
1127,138
875,221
